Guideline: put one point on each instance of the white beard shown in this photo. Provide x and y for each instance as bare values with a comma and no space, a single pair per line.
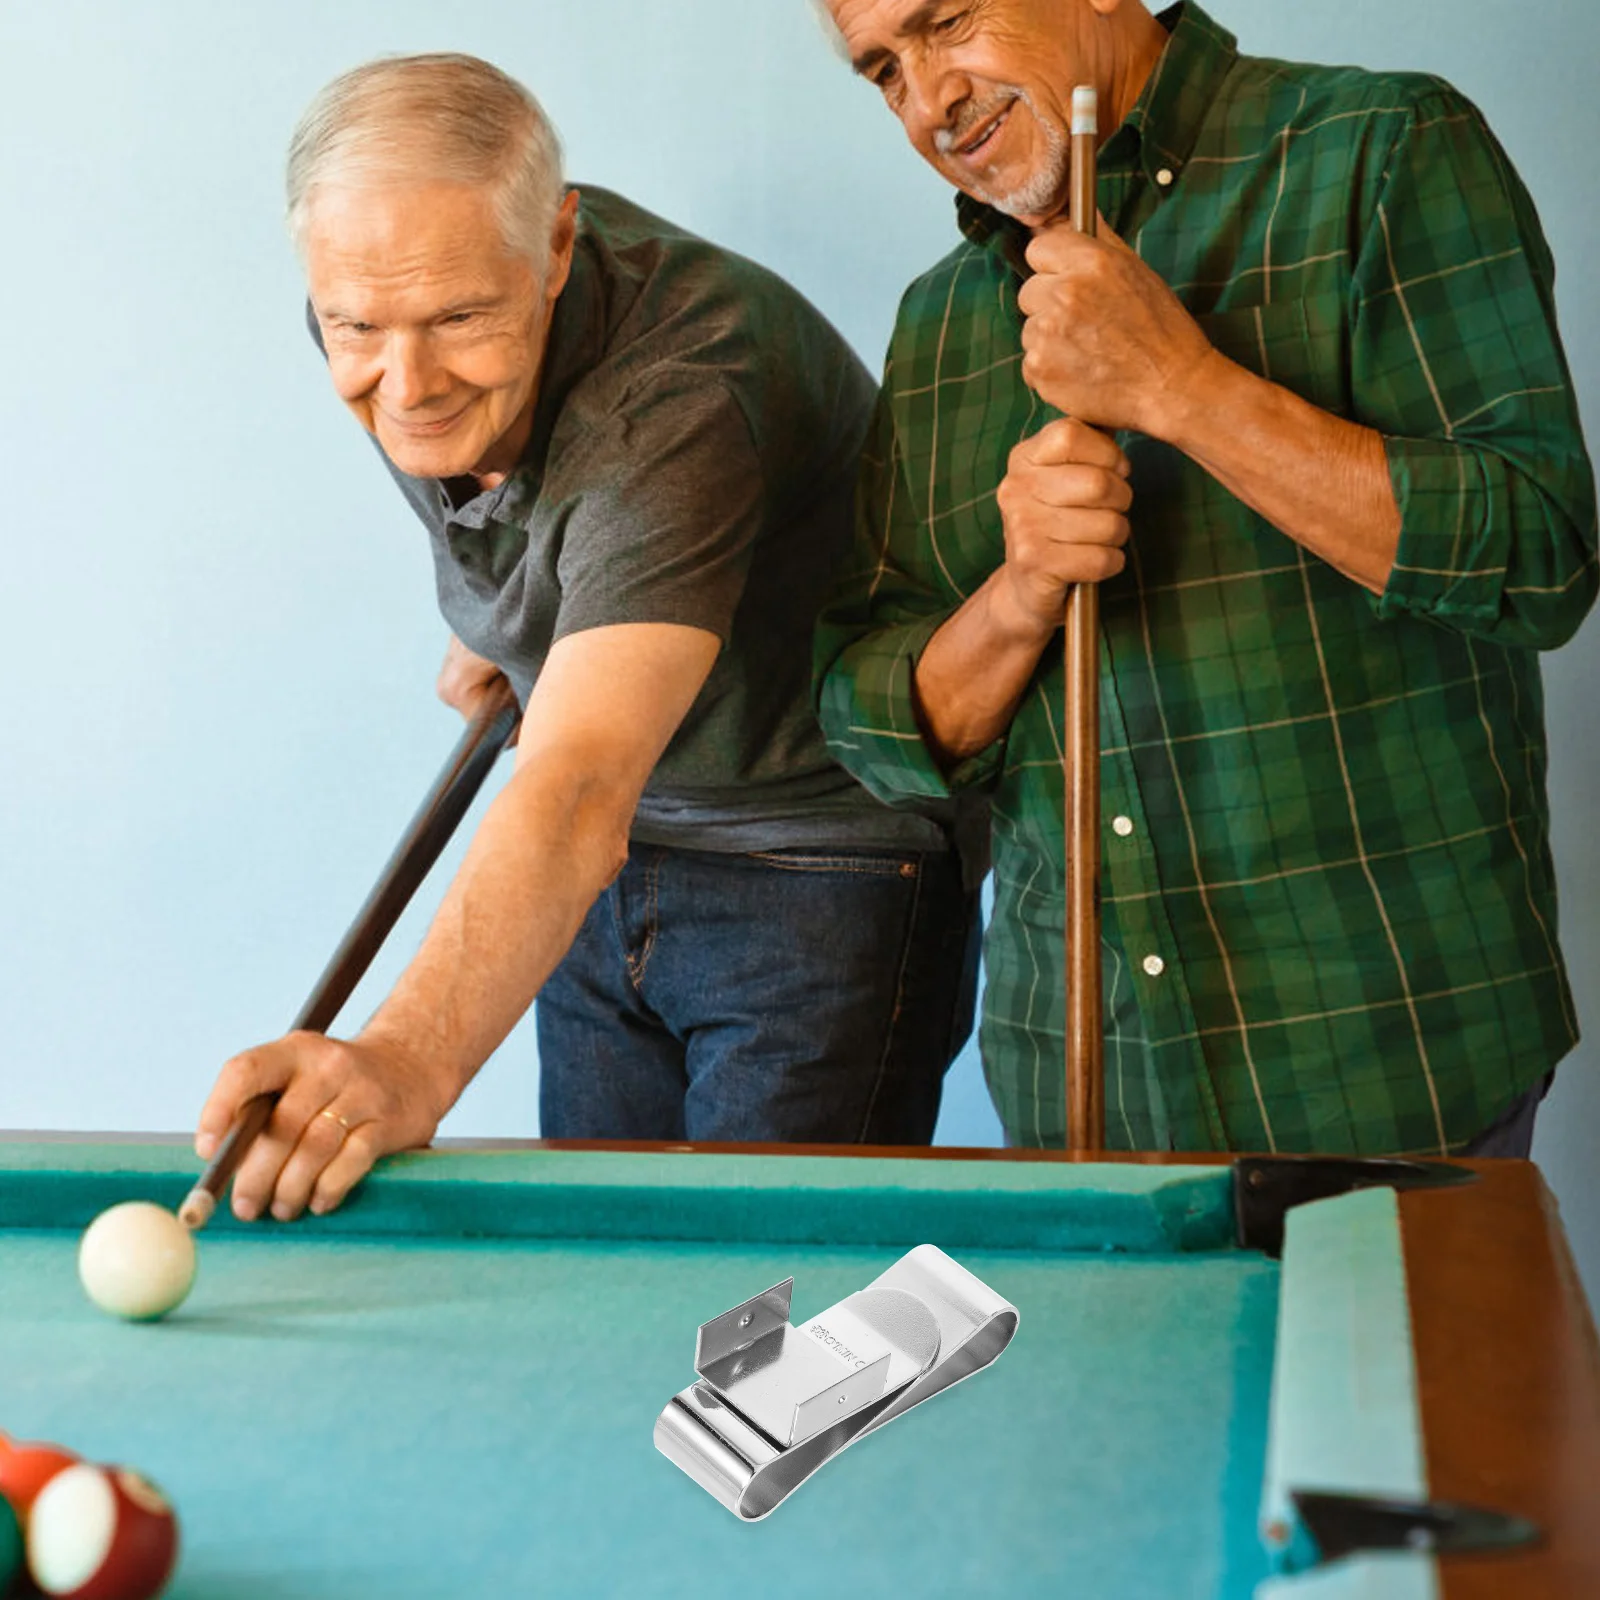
1043,188
1040,192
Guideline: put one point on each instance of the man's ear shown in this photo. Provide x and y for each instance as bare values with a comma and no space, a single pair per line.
563,236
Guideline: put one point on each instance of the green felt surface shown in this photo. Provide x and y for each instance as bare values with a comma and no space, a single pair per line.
361,1413
10,1545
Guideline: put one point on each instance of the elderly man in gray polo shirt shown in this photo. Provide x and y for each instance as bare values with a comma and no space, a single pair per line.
634,454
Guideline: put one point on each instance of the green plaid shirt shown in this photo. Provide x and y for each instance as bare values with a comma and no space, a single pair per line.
1330,909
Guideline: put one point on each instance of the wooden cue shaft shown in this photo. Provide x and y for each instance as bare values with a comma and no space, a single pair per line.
1086,1112
436,819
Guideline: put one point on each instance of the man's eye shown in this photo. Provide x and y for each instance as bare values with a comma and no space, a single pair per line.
456,318
948,24
885,77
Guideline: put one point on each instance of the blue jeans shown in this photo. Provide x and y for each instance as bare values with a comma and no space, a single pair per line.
794,996
1511,1133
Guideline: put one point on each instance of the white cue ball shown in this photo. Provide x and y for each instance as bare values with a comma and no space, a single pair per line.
137,1260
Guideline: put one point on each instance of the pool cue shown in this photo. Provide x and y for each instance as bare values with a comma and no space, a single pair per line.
437,818
1086,1099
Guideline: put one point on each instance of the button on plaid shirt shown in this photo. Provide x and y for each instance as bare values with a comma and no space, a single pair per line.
1330,909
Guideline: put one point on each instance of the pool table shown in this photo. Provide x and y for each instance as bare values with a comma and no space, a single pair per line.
449,1387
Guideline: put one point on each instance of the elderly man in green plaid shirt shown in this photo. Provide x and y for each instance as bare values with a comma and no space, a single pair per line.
1337,497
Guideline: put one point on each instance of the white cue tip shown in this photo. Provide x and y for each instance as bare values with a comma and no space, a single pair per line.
1085,111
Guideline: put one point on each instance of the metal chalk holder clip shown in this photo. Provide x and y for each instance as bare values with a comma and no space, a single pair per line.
774,1401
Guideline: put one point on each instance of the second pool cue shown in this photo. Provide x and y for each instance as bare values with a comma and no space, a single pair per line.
1086,1100
437,818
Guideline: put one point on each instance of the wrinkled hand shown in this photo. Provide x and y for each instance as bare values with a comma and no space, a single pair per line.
1064,500
343,1105
464,679
1105,339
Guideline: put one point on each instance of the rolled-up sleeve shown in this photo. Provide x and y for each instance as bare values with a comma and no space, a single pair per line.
871,636
1457,362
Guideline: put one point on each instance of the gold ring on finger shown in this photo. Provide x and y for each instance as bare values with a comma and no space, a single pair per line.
329,1112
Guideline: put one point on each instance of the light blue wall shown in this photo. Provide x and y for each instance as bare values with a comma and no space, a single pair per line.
216,634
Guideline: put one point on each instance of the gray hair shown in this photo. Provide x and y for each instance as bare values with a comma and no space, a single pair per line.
440,118
824,15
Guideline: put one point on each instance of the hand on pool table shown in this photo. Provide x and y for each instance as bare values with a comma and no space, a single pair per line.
344,1104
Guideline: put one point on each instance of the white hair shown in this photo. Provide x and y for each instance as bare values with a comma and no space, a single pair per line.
431,118
825,17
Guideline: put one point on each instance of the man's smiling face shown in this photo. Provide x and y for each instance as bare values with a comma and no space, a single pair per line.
983,88
434,332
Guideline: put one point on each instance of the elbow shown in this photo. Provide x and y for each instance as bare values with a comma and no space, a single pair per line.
601,818
613,857
1545,620
1554,578
578,821
597,817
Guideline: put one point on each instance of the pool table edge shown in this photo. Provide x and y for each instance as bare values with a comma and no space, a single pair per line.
1508,1370
1508,1362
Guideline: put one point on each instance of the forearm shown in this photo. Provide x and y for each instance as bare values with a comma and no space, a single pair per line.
1063,505
1317,478
542,854
975,670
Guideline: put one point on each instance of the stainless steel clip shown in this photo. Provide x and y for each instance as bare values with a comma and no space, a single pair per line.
776,1401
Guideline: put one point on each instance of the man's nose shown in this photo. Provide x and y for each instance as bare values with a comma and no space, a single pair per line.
411,375
932,94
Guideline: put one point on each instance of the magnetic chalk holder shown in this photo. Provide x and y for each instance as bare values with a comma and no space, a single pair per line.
775,1402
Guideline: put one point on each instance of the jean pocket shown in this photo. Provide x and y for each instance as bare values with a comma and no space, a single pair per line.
856,863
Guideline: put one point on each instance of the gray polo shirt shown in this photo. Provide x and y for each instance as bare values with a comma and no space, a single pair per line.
693,460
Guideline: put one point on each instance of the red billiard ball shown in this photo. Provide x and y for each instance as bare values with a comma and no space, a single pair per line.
25,1468
101,1533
